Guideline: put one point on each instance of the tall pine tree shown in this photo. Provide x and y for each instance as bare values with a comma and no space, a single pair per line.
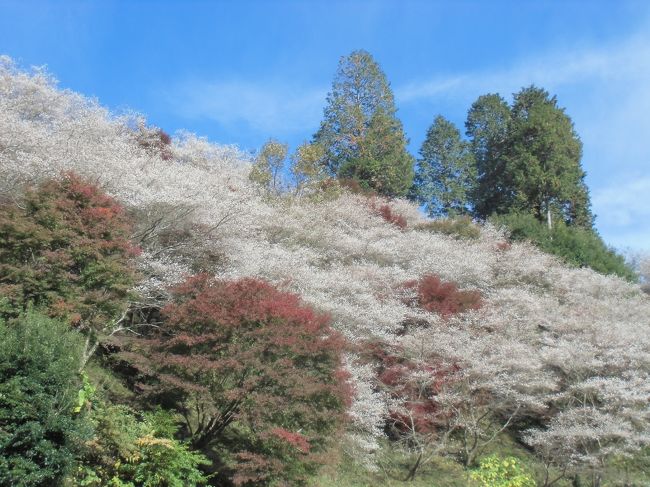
542,158
487,127
362,137
445,174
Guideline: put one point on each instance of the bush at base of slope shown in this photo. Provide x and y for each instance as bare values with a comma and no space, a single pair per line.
137,450
39,429
577,246
47,418
495,471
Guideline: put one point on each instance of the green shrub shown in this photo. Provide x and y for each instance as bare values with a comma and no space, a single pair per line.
495,471
460,228
39,384
137,451
577,246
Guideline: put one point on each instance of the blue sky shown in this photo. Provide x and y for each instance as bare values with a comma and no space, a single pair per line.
240,72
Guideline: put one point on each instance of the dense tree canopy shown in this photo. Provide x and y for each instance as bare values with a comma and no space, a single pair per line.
65,249
528,158
542,157
487,127
39,431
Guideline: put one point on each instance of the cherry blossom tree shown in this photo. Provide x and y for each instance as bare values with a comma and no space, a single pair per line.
560,346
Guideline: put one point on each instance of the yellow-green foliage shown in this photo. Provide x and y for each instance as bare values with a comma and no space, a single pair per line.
495,471
131,450
268,165
307,166
461,227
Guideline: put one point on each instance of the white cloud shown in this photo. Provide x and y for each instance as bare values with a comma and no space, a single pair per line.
624,210
276,110
620,62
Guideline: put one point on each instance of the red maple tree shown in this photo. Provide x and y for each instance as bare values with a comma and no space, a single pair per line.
256,374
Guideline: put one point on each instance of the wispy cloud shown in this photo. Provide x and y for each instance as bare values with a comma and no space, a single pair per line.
626,212
260,106
551,70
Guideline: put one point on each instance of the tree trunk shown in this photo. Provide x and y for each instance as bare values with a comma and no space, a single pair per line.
414,469
87,353
596,479
548,217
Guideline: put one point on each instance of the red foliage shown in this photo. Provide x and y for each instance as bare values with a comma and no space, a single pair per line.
66,249
296,440
157,142
503,246
164,137
386,212
97,214
395,218
254,469
246,353
413,385
444,298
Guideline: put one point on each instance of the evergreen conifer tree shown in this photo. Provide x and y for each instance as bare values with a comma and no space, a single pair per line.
542,159
528,159
487,128
445,174
361,135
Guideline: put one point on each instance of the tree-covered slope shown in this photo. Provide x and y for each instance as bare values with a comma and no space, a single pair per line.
452,342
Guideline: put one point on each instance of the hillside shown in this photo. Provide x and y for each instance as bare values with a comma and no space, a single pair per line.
557,357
